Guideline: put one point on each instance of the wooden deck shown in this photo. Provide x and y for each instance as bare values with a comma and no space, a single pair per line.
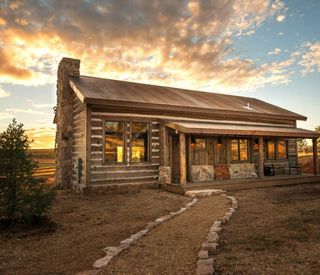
242,184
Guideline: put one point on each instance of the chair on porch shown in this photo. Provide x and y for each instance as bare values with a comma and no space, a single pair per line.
269,170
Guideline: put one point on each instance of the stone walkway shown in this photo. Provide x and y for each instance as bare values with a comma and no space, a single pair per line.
172,247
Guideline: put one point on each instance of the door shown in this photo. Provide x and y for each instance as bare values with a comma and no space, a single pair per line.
175,165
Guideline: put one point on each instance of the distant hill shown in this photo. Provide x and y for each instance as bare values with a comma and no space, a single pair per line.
42,153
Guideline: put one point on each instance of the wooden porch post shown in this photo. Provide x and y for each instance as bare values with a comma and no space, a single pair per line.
315,157
182,150
261,158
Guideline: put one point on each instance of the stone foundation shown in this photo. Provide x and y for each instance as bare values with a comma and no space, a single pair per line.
242,170
202,173
165,174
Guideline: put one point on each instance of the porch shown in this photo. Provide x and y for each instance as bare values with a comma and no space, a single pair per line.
242,184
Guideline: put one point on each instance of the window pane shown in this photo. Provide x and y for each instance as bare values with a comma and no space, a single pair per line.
200,143
139,142
112,126
114,147
271,149
282,149
235,149
243,143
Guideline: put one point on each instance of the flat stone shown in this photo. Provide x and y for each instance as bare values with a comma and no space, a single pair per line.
216,229
139,234
203,254
127,241
203,193
204,269
102,262
210,247
163,218
208,261
112,251
213,237
217,223
151,225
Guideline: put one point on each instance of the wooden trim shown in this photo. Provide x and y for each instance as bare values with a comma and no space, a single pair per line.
182,150
261,158
87,162
315,156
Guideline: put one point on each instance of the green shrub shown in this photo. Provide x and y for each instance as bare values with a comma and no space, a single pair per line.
22,197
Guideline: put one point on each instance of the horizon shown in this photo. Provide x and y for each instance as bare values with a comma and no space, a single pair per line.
268,50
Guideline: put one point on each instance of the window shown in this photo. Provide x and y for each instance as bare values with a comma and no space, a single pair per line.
276,149
282,149
139,142
271,149
114,141
239,149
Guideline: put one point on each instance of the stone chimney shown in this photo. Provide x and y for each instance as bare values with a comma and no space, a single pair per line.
64,116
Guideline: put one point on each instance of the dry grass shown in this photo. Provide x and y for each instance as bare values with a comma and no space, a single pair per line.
275,231
85,225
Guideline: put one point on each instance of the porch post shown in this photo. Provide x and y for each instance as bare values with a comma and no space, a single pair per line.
315,156
261,158
182,150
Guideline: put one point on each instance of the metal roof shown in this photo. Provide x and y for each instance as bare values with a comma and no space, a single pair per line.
122,93
240,129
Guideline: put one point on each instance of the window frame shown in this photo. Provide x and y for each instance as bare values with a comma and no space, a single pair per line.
104,160
148,145
276,149
238,160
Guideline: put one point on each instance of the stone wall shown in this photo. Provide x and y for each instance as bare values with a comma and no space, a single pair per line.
242,170
165,174
64,116
202,173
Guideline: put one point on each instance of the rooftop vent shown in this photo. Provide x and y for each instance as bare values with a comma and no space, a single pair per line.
248,107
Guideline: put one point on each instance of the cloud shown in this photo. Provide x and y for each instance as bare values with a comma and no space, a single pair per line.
280,33
179,43
25,111
280,18
43,137
310,57
276,51
4,93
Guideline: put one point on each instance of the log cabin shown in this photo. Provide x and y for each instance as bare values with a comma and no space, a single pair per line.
119,136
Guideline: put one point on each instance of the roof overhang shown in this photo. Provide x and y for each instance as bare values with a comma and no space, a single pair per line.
203,128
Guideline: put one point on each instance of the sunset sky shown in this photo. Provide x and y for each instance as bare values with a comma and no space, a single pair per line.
259,48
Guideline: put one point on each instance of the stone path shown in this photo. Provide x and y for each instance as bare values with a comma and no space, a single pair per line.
172,247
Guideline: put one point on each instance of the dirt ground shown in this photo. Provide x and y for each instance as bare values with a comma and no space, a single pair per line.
172,247
275,231
85,225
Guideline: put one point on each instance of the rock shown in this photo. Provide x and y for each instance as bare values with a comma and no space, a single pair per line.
102,262
203,193
203,254
127,241
139,234
202,173
216,229
205,261
210,247
163,218
213,237
112,251
217,223
151,225
204,269
165,174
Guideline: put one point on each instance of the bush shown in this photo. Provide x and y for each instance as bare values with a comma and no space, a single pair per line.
22,197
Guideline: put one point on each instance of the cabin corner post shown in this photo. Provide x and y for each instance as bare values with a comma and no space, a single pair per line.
87,167
182,150
261,158
64,118
315,156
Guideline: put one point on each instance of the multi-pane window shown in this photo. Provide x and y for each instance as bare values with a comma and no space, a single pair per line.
276,149
239,149
271,149
114,141
139,142
282,149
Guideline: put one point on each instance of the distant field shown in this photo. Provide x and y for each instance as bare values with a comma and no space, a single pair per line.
306,162
46,161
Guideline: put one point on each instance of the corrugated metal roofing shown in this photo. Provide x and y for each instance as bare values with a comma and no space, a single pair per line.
240,130
99,91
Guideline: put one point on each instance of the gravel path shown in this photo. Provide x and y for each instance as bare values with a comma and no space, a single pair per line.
172,247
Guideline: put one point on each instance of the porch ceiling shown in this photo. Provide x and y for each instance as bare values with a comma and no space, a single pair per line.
240,129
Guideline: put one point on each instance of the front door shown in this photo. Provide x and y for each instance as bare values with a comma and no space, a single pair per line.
175,165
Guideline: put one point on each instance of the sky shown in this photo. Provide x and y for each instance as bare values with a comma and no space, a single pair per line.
268,49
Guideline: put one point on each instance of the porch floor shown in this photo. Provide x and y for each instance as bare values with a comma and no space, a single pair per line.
242,184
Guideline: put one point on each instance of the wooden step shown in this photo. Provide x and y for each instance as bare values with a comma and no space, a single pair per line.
116,167
123,174
123,180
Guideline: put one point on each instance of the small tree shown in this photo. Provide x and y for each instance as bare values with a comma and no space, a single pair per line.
302,145
317,129
21,195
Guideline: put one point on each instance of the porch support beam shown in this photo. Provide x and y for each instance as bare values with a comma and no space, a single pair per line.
315,157
261,158
182,150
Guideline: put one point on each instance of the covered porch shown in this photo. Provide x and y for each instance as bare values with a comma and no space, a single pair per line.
229,156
